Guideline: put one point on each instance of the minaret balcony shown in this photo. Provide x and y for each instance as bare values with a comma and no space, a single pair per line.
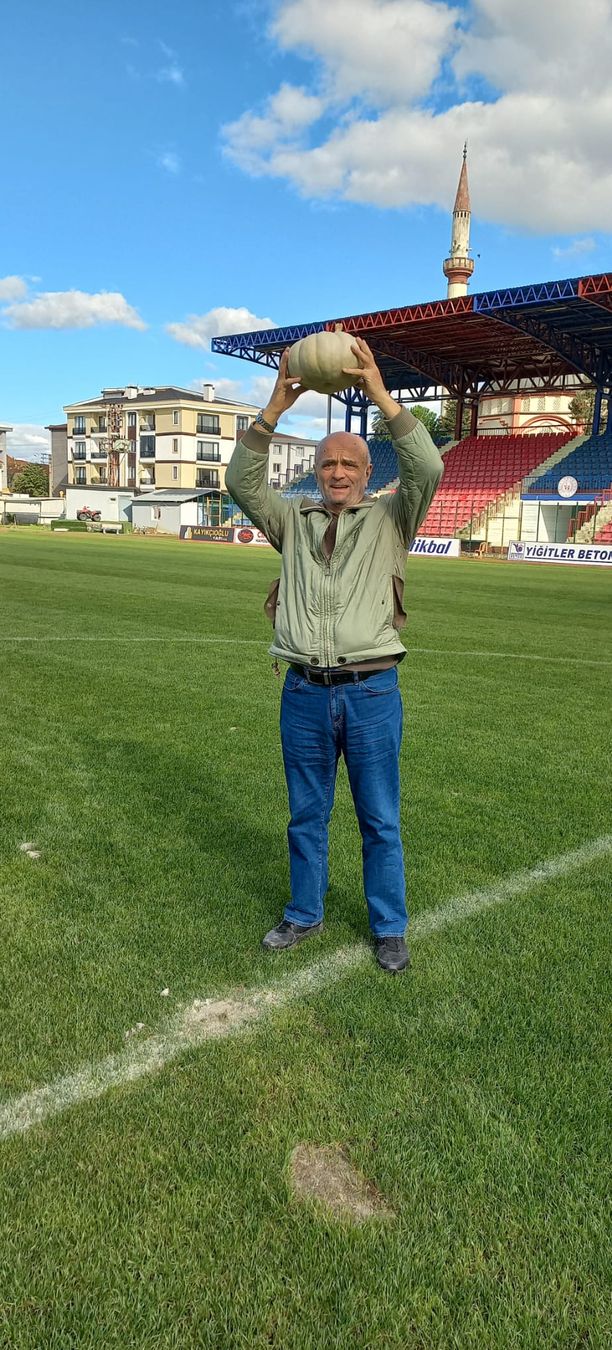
456,264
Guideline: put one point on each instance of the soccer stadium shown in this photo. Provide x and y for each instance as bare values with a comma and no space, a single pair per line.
204,1146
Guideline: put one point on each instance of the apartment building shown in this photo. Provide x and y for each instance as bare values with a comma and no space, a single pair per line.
165,437
162,436
4,429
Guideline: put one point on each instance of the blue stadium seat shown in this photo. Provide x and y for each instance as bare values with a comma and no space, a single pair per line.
590,464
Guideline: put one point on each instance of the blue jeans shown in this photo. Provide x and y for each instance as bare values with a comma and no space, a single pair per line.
363,722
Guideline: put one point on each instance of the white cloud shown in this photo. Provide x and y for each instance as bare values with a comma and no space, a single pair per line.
12,288
72,309
287,114
198,329
517,44
539,151
170,162
575,249
386,51
171,73
28,440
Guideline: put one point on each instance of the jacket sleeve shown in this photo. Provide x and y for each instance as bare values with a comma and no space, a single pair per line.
246,479
420,469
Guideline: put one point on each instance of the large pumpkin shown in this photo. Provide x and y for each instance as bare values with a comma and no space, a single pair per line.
319,360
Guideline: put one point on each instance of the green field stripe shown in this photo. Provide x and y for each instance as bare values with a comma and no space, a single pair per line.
212,1019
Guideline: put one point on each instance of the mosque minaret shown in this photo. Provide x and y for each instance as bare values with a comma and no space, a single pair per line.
459,266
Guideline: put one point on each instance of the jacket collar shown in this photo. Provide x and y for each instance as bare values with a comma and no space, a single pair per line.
307,505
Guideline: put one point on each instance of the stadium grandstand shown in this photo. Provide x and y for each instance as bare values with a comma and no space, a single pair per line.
511,360
528,340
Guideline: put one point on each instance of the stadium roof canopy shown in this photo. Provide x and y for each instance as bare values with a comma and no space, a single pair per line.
538,335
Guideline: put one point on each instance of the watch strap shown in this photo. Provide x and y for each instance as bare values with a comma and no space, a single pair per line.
261,422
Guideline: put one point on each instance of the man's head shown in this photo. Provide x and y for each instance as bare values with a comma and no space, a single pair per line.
342,469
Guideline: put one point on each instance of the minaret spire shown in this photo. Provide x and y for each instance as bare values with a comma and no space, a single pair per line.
458,267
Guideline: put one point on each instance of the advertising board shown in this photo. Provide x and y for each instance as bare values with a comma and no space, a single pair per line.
598,555
435,547
209,534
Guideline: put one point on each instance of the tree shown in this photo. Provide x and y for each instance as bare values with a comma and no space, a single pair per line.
582,408
429,418
34,480
449,414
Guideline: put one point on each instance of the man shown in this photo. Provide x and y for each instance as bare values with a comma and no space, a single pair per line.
336,611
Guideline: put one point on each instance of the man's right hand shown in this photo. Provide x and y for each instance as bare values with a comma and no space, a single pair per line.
284,394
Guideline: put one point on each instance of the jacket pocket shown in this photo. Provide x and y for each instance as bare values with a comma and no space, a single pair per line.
271,600
399,614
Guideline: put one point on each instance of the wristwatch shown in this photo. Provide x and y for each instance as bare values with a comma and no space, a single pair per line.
260,421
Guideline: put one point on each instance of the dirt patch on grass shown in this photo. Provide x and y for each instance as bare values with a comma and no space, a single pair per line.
324,1173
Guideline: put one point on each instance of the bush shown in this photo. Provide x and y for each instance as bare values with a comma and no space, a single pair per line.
72,525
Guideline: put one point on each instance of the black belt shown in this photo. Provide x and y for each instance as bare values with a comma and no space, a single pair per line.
333,676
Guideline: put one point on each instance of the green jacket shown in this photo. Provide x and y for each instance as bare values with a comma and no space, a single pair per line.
348,608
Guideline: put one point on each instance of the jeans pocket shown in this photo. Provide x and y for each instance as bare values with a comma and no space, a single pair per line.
294,682
385,682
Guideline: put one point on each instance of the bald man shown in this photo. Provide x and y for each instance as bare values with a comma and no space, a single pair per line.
337,609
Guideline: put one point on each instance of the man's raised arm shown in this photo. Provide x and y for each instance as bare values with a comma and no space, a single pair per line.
246,477
420,464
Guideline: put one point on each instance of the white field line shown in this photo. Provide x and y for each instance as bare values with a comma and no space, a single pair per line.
256,642
211,1019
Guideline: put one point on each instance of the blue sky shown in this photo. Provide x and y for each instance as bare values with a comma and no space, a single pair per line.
165,166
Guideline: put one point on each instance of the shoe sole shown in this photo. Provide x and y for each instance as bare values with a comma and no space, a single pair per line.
288,946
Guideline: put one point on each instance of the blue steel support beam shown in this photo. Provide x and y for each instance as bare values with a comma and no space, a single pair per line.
235,344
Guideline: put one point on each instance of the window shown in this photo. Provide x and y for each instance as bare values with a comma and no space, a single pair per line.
80,475
131,419
175,445
102,474
241,423
147,421
147,447
79,426
209,450
525,405
276,468
208,423
175,417
80,450
175,472
207,478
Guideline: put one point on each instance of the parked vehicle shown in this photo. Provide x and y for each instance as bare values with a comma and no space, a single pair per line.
88,513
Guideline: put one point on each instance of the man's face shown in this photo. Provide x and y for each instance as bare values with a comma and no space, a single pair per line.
342,470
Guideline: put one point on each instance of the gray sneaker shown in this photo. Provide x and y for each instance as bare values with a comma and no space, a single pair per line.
289,934
392,954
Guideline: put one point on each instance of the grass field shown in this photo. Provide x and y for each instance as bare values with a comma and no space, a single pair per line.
139,744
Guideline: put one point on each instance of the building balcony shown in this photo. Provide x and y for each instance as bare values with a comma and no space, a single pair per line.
79,455
214,457
98,454
147,452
